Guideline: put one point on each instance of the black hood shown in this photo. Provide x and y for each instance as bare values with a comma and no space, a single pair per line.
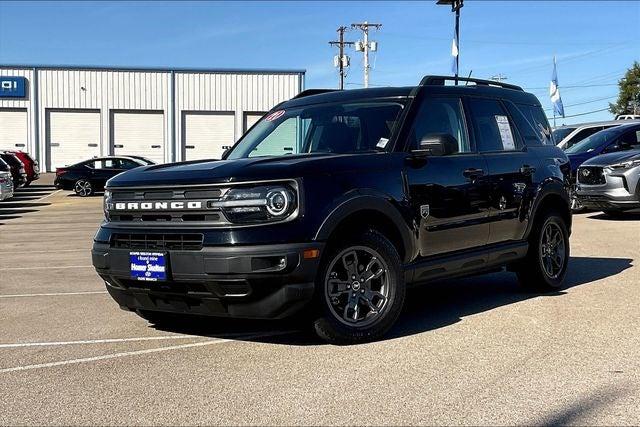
263,168
613,158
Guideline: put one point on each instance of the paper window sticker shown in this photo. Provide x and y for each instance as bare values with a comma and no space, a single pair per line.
505,132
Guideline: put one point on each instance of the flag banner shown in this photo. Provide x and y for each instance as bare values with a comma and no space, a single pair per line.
554,92
454,54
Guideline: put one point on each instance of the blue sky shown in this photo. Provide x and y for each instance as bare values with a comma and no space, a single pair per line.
594,42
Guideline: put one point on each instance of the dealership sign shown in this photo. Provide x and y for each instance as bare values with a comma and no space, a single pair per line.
13,87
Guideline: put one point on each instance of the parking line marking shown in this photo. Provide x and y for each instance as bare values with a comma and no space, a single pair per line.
45,268
46,252
48,195
137,352
111,356
53,294
98,341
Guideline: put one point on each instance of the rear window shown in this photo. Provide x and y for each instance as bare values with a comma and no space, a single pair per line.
11,160
539,123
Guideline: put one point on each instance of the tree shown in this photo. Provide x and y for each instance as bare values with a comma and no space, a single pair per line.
629,97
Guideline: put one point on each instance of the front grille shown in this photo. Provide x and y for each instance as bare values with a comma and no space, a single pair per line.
167,215
178,242
590,175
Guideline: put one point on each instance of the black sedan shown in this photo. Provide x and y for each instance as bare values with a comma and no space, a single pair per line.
89,176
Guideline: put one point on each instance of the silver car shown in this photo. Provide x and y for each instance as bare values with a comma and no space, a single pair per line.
569,135
6,185
610,182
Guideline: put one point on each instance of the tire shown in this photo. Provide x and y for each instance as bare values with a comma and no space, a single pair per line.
545,264
83,188
157,317
365,308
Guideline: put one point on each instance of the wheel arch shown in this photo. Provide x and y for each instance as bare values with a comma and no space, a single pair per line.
551,195
367,211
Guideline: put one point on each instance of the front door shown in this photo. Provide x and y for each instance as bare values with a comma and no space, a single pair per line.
448,194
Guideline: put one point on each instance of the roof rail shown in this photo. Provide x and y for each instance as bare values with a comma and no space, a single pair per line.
440,80
309,92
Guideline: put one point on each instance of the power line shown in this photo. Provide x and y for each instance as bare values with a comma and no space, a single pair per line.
588,112
506,43
572,86
586,102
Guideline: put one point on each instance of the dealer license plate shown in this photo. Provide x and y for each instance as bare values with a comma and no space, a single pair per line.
148,266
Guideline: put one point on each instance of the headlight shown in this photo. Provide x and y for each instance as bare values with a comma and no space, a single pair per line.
106,202
264,203
625,165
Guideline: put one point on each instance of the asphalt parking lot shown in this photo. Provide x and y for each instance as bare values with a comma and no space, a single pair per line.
472,351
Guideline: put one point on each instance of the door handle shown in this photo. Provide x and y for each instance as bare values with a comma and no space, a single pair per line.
527,170
473,173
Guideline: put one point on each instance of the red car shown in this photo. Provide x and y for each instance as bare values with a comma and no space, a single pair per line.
31,166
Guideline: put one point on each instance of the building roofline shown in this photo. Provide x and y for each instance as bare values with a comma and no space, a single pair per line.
154,69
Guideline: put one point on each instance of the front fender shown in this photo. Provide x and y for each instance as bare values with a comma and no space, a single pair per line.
551,186
360,200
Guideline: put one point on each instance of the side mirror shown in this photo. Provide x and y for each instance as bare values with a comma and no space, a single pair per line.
437,144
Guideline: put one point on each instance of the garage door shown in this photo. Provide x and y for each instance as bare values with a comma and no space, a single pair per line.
206,135
73,136
138,133
13,129
250,119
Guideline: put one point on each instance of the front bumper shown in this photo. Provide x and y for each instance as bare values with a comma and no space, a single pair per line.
618,192
245,281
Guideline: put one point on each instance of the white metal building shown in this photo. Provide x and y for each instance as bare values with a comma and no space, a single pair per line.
63,115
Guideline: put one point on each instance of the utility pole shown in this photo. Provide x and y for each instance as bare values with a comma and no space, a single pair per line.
499,78
365,45
341,61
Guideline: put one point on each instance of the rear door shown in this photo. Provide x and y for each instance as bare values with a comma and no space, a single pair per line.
511,168
448,194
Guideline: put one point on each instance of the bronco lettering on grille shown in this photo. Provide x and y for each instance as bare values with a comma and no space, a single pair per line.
157,206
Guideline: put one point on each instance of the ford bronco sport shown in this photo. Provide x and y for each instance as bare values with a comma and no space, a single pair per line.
335,201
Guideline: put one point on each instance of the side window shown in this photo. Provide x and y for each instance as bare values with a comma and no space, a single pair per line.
630,140
96,164
584,133
493,128
111,164
128,164
539,121
525,127
440,115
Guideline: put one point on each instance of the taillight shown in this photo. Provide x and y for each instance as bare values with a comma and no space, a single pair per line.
60,171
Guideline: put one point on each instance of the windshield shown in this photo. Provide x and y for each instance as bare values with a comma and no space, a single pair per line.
343,128
592,142
560,134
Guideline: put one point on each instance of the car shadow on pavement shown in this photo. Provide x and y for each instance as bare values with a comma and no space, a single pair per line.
428,307
444,303
625,216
